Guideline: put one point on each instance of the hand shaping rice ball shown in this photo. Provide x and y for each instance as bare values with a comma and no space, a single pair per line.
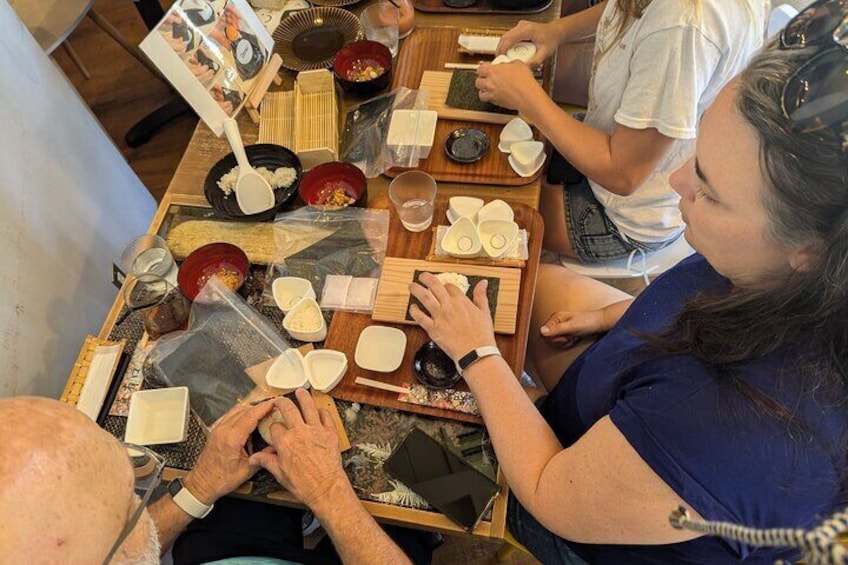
459,281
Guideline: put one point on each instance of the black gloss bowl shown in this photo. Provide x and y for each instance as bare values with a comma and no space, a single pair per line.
265,155
434,368
363,52
467,145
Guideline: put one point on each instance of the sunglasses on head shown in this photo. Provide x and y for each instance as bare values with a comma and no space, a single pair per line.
816,96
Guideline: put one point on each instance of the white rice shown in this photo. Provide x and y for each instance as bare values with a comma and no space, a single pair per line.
282,177
459,281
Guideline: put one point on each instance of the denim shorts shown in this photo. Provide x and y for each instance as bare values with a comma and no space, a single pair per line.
545,546
593,235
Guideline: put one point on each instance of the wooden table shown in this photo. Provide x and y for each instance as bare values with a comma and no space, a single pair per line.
186,188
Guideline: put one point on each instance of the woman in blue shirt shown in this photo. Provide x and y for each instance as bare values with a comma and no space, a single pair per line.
722,387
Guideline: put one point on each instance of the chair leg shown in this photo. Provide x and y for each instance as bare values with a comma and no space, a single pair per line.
66,45
104,24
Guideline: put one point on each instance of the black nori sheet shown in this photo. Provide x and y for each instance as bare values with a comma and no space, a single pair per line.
491,291
462,94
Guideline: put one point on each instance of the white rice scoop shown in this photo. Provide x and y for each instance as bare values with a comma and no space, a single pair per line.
253,193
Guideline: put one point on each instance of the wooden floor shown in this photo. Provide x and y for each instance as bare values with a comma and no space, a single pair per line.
120,92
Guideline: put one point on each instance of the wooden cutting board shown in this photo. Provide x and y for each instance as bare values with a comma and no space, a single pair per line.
438,83
392,302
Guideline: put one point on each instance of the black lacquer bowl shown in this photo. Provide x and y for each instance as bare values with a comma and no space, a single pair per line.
265,155
434,367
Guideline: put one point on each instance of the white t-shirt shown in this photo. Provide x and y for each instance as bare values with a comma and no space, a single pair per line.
663,73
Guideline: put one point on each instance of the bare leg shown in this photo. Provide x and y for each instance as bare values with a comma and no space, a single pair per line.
557,289
556,236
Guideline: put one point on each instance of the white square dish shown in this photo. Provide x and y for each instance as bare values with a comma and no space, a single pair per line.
158,416
380,348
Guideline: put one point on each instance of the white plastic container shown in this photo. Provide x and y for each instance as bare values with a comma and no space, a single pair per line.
462,239
402,130
380,348
322,369
463,207
158,416
306,308
288,291
497,236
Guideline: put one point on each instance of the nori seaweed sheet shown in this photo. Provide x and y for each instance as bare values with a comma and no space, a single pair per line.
462,93
491,291
366,129
344,252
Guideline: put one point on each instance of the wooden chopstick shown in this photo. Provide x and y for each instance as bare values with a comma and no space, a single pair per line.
381,385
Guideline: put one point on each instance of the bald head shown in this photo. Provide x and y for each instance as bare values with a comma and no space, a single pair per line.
66,486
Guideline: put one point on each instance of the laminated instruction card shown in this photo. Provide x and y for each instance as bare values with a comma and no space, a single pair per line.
212,51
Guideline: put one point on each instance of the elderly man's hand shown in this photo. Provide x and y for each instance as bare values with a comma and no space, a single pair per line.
224,464
304,456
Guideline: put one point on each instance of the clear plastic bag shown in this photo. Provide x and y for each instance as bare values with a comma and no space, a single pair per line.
366,129
222,357
315,242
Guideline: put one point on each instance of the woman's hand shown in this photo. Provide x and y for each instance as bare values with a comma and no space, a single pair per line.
454,322
565,329
509,85
544,36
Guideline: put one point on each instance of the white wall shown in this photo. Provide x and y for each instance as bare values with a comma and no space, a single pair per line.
68,204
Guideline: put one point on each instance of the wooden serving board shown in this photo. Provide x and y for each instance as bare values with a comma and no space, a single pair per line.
438,83
428,49
481,7
345,327
392,302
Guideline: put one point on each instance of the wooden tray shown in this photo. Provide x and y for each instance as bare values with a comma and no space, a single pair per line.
428,49
392,302
346,326
481,7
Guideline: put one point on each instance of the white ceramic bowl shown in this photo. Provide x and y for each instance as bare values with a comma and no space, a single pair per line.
380,348
463,207
288,291
293,322
497,236
287,371
325,368
158,416
462,239
496,210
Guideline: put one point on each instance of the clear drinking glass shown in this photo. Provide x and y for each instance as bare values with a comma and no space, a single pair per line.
146,254
413,194
163,305
380,22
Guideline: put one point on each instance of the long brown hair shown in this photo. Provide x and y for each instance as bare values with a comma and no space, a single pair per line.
807,203
805,313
